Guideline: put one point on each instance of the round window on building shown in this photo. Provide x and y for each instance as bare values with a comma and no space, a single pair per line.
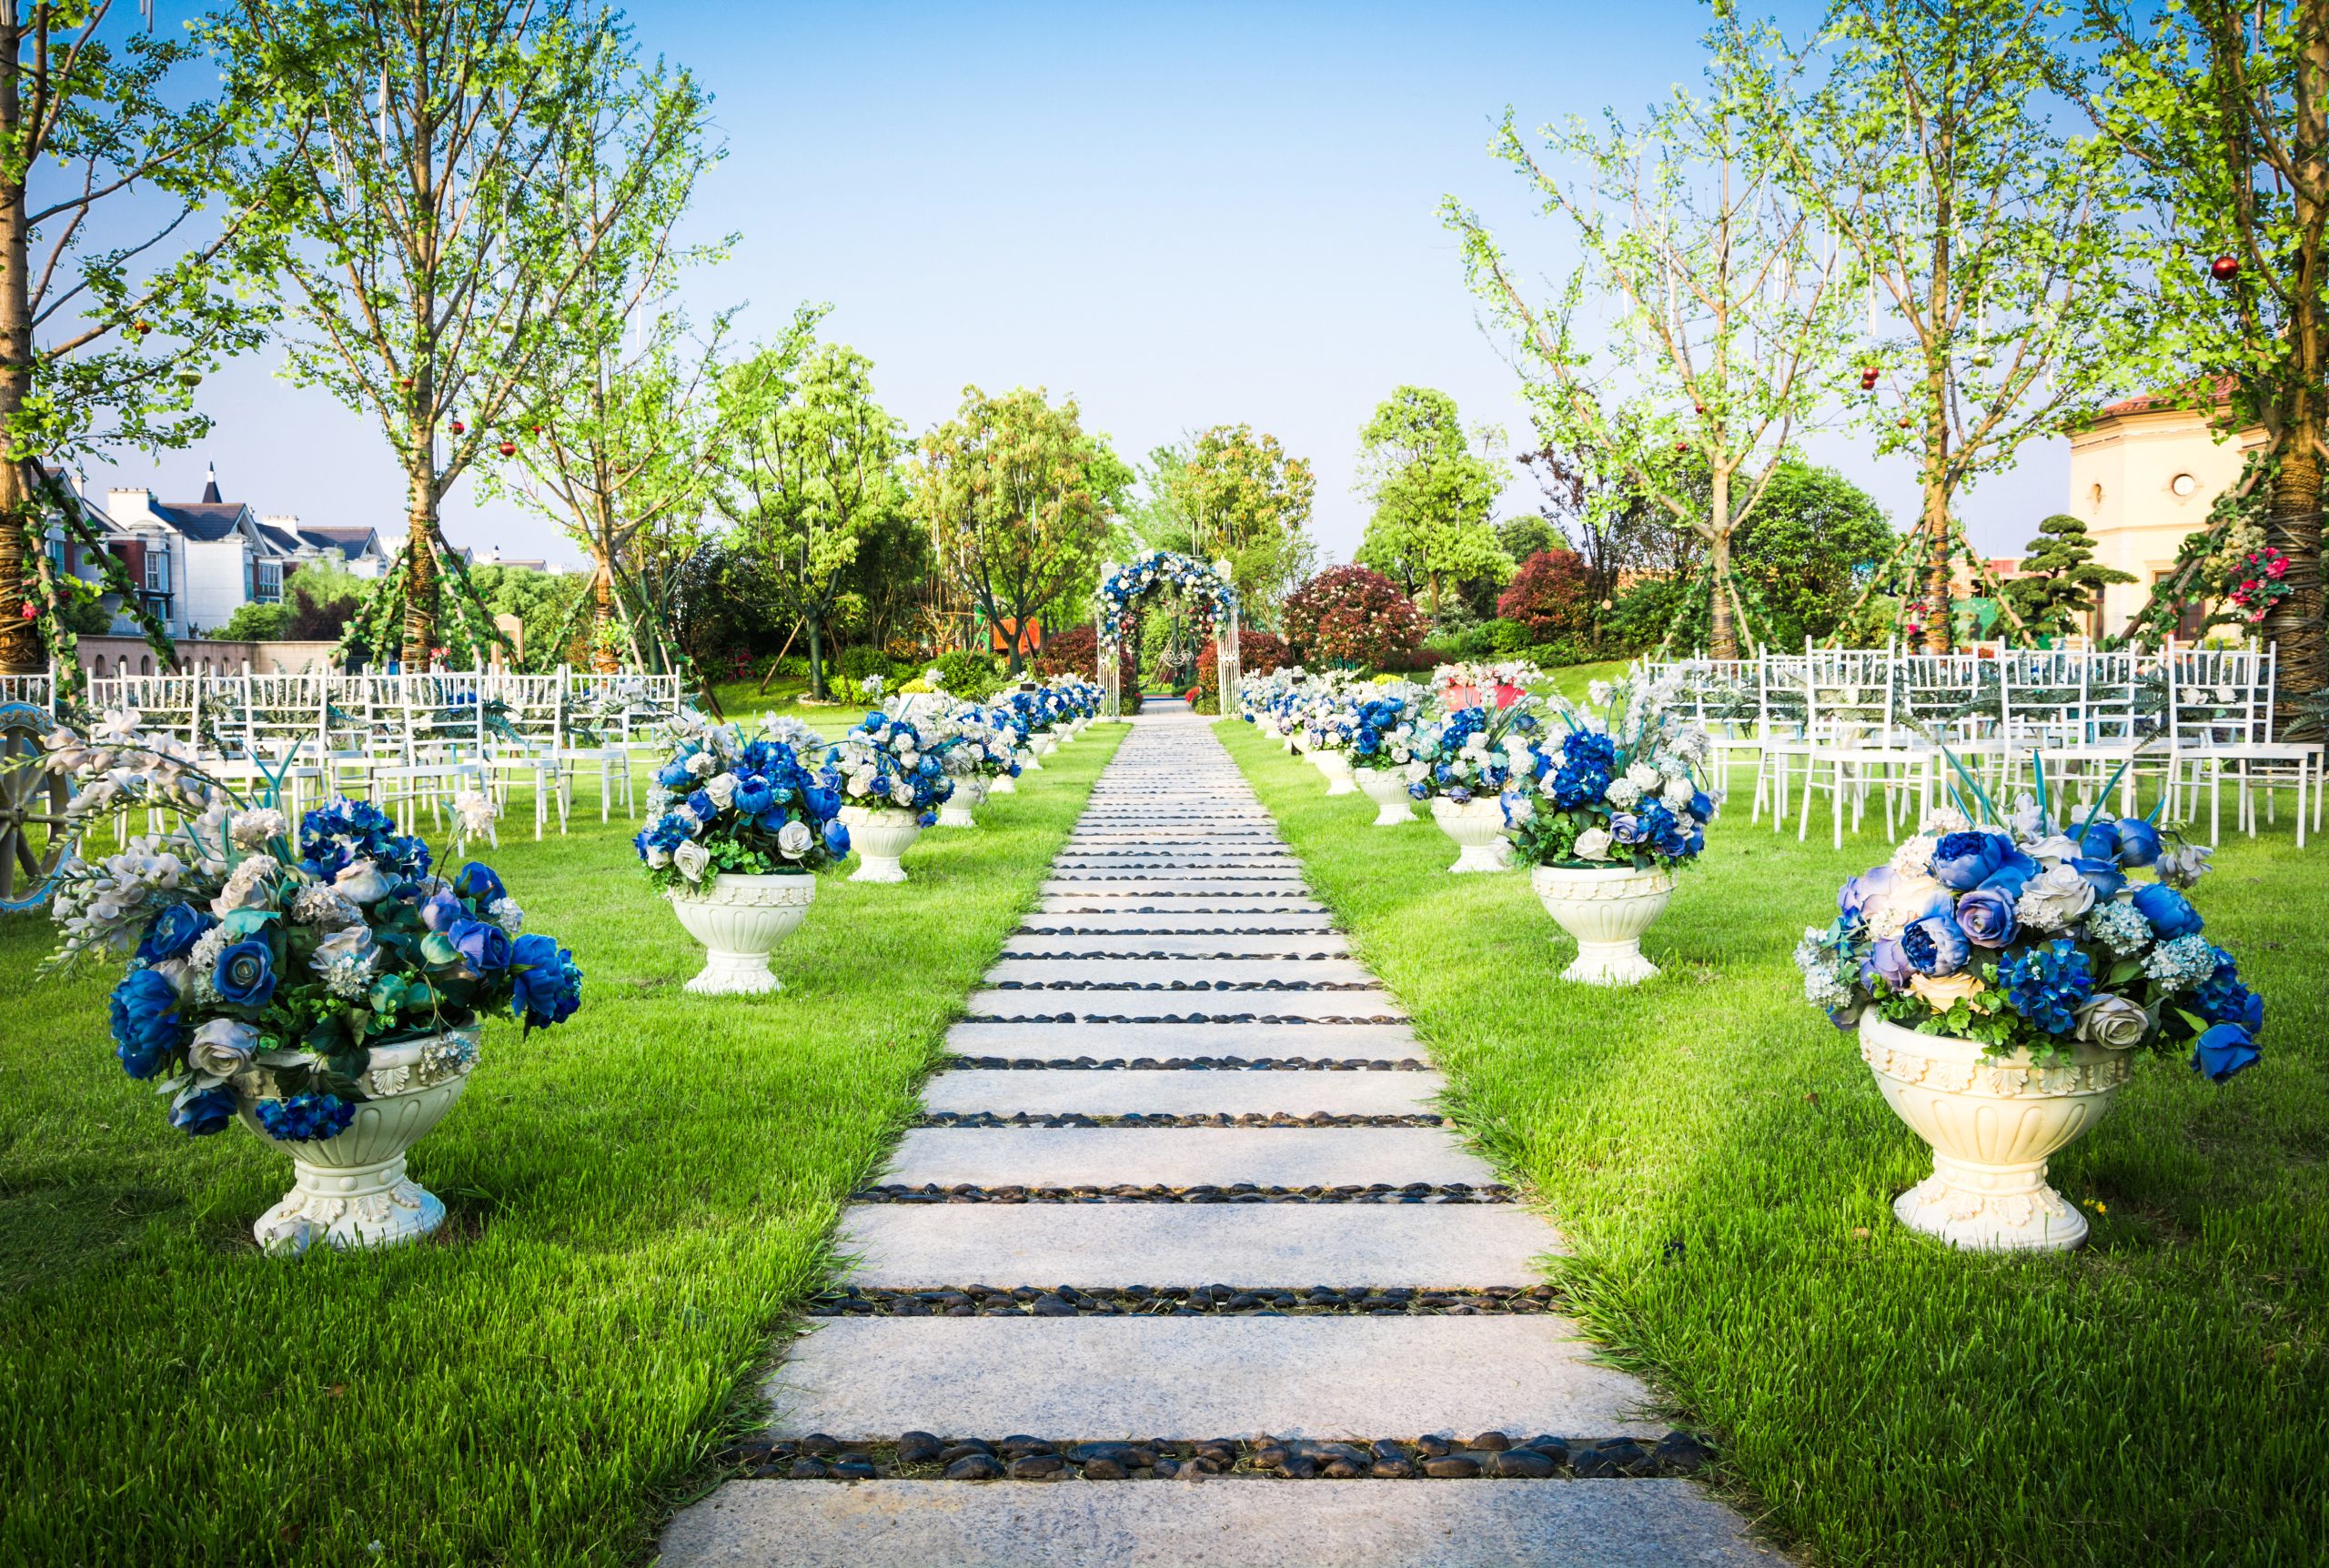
2184,486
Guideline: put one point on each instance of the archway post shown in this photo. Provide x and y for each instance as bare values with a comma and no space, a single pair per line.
1111,671
1123,588
1225,643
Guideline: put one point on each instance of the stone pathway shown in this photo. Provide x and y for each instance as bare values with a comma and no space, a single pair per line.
1184,1191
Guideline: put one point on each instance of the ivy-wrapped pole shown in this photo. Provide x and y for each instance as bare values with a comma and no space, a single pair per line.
1110,652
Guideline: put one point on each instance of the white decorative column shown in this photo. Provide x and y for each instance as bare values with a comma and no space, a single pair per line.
1225,640
1111,671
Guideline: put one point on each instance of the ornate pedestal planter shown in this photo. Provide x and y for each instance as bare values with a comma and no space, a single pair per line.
1387,788
351,1190
1991,1122
1335,765
740,919
1025,758
1607,910
955,810
879,835
1477,828
1046,744
1002,784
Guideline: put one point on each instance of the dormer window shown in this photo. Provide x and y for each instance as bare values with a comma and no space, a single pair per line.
157,569
267,586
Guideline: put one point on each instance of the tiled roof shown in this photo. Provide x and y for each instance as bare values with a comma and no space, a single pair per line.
279,538
205,520
349,542
2222,387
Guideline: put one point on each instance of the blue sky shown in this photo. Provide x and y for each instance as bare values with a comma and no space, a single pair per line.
1182,215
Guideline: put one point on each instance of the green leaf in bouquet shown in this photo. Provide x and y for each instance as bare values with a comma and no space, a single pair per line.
388,993
439,948
241,923
2121,972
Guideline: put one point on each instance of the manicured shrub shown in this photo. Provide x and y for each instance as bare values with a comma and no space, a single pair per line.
1352,615
1548,598
968,674
1076,651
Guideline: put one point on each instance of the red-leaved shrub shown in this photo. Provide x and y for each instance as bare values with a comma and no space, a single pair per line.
1548,598
1350,615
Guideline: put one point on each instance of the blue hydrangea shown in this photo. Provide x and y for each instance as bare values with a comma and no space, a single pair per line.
2182,963
2119,926
2049,984
305,1117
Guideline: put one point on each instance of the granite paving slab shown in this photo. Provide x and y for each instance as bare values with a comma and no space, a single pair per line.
1214,971
1095,1002
1308,945
1183,1157
1185,1093
1103,922
1313,1042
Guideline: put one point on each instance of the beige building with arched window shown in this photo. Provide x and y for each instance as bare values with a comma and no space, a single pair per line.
2142,477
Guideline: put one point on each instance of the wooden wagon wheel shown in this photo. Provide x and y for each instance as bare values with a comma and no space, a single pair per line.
32,809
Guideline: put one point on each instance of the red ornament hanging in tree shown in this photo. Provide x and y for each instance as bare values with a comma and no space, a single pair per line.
459,429
2224,268
143,328
509,449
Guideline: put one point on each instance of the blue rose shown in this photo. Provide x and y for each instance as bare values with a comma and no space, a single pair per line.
2013,876
478,884
2099,839
823,802
1870,886
2223,1049
1961,860
1986,916
442,910
1625,828
145,1014
203,1112
700,803
176,928
836,839
1887,962
244,974
2103,876
484,946
1935,946
2139,842
1702,806
674,775
2168,911
548,986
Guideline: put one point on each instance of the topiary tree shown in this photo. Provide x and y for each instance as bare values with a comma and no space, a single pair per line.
1350,615
2060,578
1550,597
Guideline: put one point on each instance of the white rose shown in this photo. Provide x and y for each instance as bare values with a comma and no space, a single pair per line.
793,839
908,758
702,765
902,792
347,942
360,882
1910,895
1643,776
858,783
1679,793
721,787
2053,898
691,858
658,856
222,1048
1476,741
1593,844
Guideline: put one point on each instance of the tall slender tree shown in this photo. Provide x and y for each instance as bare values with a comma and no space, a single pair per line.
1247,502
2222,111
1991,242
435,248
121,280
1720,322
1433,495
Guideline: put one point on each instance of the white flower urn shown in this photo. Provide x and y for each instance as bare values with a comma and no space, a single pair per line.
1992,1122
955,810
1388,791
1002,784
879,835
1025,758
1477,828
1046,743
1298,743
1335,765
739,919
1607,908
351,1190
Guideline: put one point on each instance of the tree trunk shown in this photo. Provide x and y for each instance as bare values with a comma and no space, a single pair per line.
20,646
420,568
2293,526
816,656
602,621
1723,629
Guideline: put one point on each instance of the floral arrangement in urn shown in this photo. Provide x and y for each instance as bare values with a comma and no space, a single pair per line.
1615,781
723,803
893,783
2003,976
324,986
1462,763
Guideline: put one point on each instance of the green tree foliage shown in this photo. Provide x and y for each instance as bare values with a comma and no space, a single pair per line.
1432,495
1719,325
1019,499
2060,580
120,282
545,603
810,472
2220,107
429,255
1243,499
1527,534
1993,243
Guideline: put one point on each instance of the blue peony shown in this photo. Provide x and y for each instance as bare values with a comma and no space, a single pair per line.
1986,916
2170,913
199,1113
244,974
1870,886
305,1117
1935,946
2013,876
675,775
484,946
754,795
2049,984
173,931
2138,842
144,1013
2224,1049
478,884
836,839
547,986
1887,962
1962,861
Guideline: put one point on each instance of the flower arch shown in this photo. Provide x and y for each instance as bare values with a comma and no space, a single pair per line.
1206,585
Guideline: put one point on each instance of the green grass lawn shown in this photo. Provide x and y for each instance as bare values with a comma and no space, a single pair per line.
1724,1166
638,1202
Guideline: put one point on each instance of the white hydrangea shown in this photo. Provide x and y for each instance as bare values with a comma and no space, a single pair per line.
1914,857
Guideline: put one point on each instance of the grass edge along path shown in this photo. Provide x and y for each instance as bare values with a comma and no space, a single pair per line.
1723,1165
639,1202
